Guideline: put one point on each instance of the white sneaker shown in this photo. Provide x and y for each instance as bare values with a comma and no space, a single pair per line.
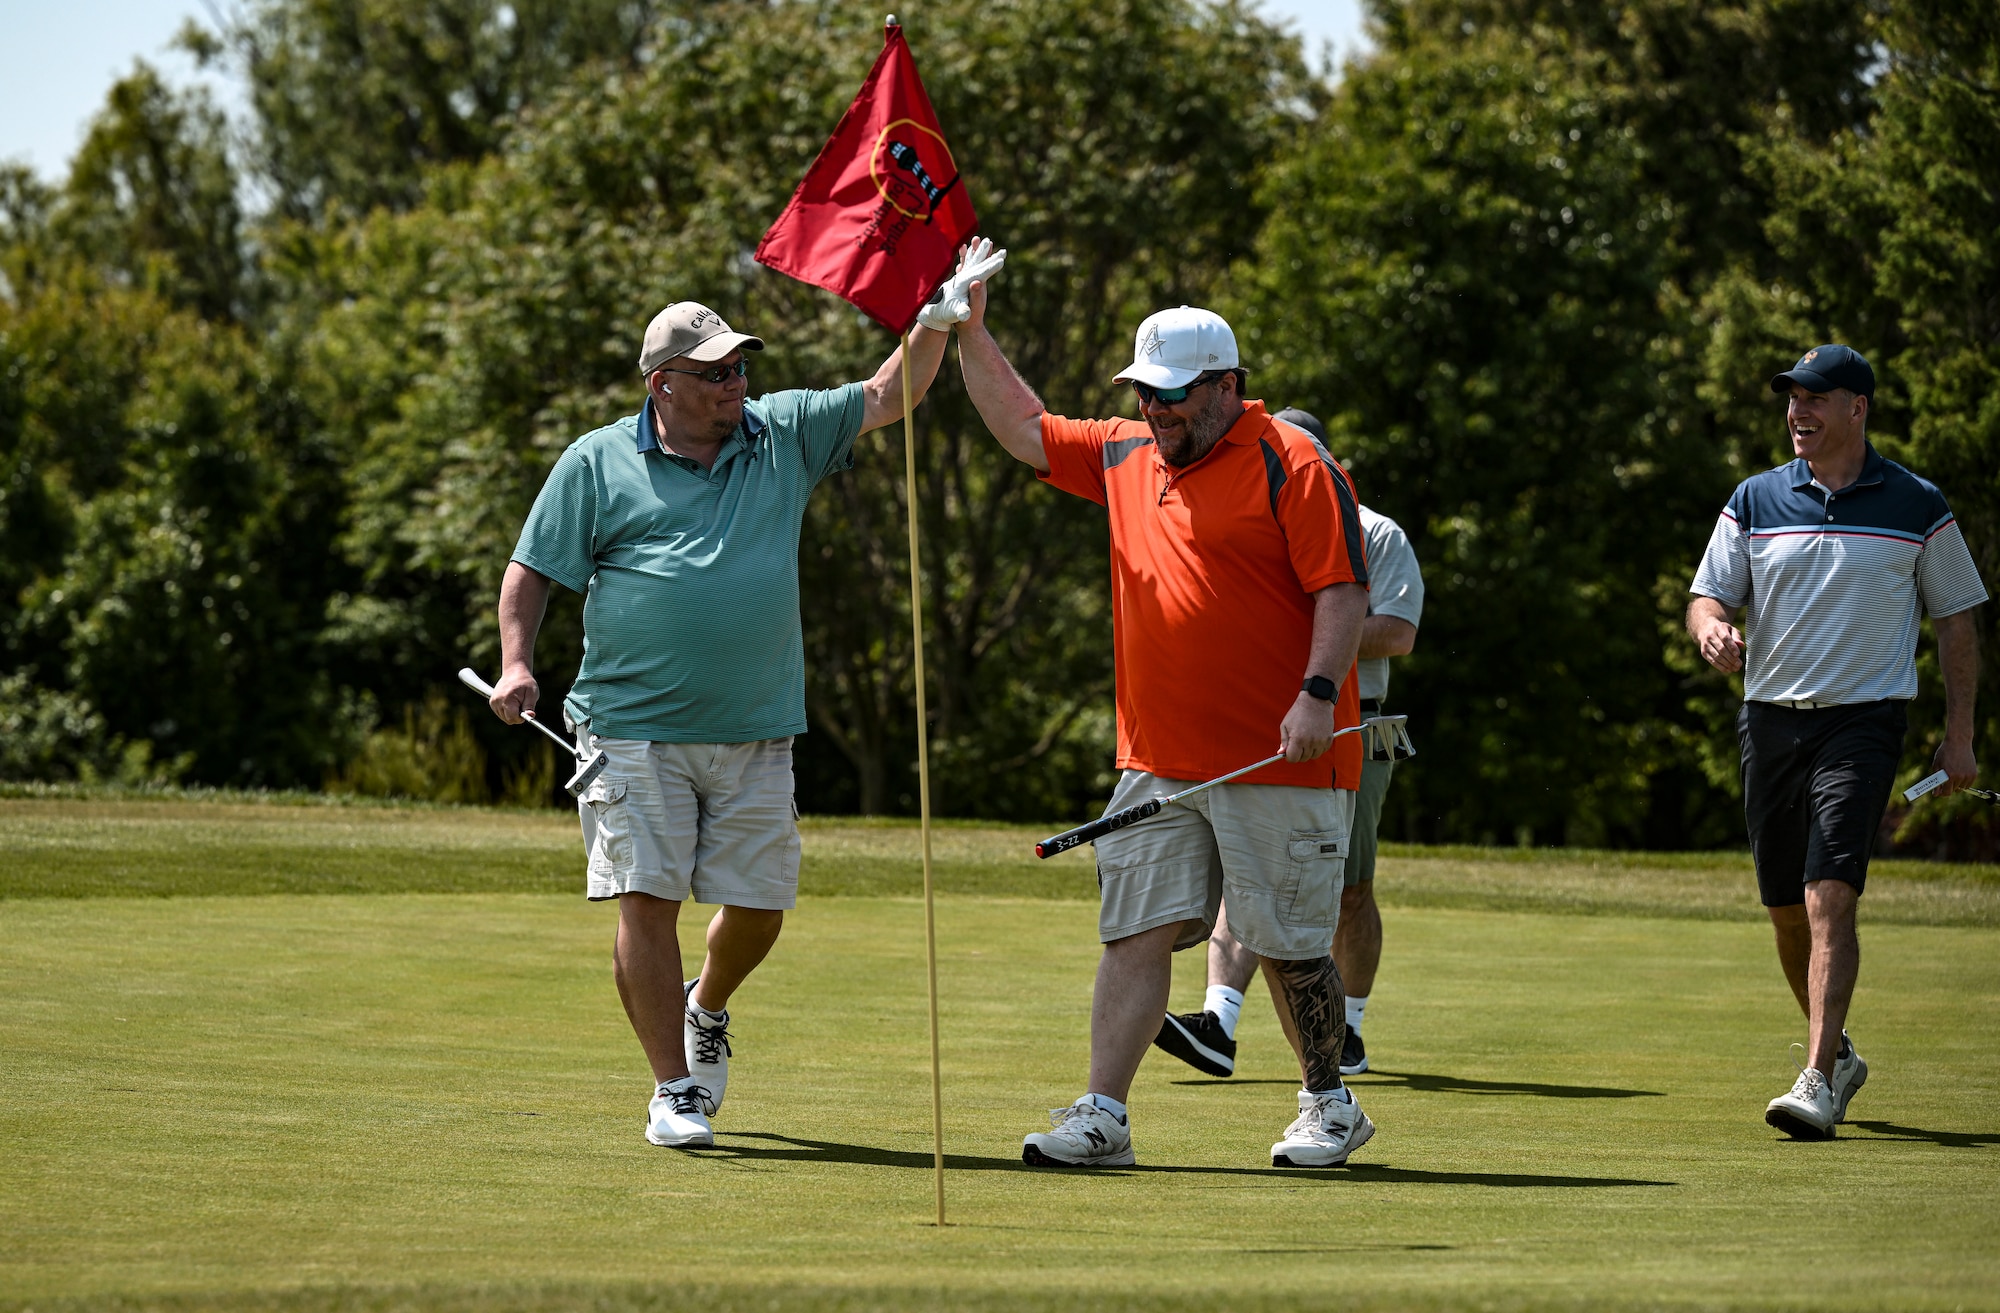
1850,1073
1082,1135
674,1118
707,1040
1327,1130
1808,1111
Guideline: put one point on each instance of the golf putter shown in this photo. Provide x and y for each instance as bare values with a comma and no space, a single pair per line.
1379,728
1930,782
587,768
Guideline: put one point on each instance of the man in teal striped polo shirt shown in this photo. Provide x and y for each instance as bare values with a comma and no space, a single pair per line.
680,526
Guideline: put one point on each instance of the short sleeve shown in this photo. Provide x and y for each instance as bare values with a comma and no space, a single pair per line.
1947,577
1075,449
825,424
1724,573
1321,519
1395,584
559,539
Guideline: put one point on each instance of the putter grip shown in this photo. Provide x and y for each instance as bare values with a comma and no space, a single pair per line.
475,683
1103,825
1925,785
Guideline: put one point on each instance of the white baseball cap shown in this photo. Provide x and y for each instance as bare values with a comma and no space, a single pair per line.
1175,347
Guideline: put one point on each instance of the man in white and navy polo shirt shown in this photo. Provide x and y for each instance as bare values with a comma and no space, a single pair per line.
1831,555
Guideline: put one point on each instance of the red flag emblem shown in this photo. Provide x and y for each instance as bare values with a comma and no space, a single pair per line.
881,213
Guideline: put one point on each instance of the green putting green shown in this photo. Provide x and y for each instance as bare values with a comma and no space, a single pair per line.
431,1100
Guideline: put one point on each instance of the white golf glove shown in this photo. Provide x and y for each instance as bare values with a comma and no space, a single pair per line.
950,305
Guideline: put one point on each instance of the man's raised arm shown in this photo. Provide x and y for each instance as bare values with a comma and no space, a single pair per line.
1004,400
882,395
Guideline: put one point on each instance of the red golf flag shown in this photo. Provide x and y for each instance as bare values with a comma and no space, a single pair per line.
882,212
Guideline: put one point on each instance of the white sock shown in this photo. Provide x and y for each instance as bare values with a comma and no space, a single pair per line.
1109,1104
1226,1004
1356,1005
1338,1096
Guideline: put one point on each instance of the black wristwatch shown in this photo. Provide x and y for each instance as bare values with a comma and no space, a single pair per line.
1319,686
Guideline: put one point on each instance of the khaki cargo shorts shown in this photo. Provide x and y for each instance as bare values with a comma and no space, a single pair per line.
1276,851
715,820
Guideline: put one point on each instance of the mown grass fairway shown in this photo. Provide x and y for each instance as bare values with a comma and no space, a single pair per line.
373,1100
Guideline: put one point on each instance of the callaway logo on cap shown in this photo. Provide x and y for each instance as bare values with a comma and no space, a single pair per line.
1175,347
691,329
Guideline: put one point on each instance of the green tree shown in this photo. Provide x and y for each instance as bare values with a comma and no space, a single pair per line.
1491,268
1461,278
151,197
356,99
178,534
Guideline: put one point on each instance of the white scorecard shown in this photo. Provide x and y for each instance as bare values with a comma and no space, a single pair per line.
1924,785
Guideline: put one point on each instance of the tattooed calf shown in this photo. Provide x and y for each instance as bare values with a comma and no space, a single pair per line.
1319,1012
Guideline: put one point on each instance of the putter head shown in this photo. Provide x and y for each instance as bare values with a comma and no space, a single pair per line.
586,772
1389,738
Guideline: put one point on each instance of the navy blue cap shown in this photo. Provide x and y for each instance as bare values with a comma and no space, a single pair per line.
1303,419
1825,368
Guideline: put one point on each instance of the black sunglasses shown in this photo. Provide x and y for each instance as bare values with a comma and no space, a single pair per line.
713,374
1153,396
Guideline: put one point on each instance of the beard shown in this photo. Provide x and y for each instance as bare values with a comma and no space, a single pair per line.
1198,436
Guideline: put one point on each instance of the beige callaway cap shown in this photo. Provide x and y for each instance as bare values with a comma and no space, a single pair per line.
688,328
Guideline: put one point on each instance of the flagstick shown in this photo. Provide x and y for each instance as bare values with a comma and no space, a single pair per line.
923,779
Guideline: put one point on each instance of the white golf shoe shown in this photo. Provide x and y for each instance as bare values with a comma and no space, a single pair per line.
1808,1110
1850,1073
707,1039
1081,1135
1327,1130
674,1118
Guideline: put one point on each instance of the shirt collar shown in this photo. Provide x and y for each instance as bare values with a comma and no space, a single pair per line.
1871,470
648,438
1250,425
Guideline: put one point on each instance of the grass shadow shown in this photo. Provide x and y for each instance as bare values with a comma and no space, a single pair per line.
1414,1080
789,1148
1944,1139
1507,1180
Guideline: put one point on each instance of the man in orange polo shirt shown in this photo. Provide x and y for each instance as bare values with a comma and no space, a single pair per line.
1238,589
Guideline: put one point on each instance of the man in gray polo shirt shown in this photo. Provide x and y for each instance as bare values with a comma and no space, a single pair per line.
1206,1040
680,525
1834,556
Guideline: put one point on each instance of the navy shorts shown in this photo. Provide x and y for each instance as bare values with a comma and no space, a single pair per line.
1815,784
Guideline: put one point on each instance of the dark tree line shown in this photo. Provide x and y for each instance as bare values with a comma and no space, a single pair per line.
274,399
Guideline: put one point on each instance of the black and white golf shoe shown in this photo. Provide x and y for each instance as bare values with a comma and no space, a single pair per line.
675,1120
1353,1055
706,1038
1197,1038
